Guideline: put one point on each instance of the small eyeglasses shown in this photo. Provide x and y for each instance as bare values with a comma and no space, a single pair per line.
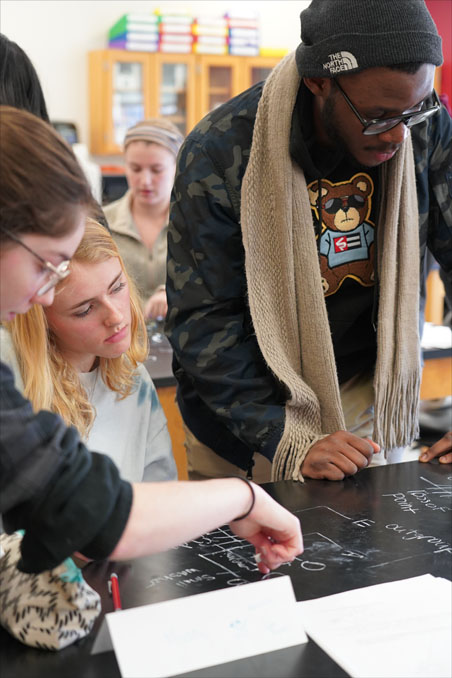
380,125
54,273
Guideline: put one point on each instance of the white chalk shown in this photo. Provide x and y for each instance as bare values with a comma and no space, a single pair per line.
258,557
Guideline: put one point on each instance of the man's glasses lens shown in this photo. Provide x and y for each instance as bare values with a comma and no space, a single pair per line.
409,120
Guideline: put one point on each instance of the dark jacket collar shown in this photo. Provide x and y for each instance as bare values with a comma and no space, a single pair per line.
315,160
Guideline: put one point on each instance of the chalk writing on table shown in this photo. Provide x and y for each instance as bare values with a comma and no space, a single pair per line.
439,546
429,497
408,526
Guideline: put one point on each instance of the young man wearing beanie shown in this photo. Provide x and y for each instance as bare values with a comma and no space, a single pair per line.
302,212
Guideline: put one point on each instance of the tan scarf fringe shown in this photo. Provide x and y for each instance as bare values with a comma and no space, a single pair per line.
285,291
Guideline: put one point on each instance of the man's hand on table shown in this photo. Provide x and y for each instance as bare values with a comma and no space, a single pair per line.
338,455
442,449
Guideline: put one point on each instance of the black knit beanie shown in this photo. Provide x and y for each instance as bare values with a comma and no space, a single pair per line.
347,36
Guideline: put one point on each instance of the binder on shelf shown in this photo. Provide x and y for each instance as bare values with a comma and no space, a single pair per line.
141,23
204,29
165,27
175,48
176,38
200,48
211,40
244,42
134,45
250,33
137,37
243,51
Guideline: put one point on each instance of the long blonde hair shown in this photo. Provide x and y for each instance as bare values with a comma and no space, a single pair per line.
50,382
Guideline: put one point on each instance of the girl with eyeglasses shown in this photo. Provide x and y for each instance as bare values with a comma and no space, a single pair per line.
82,357
66,498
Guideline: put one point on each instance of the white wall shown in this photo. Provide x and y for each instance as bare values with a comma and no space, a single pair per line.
57,35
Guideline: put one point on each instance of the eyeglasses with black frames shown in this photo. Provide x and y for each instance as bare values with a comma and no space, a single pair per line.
380,125
54,274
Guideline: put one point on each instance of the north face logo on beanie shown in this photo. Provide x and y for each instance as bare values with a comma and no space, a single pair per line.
340,61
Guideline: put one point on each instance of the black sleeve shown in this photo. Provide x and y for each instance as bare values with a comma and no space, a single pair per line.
64,497
217,355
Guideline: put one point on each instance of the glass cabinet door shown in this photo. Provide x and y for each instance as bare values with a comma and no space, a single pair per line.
173,94
256,69
259,73
128,105
118,96
220,87
219,81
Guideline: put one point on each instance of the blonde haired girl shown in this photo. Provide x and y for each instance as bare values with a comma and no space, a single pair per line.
83,358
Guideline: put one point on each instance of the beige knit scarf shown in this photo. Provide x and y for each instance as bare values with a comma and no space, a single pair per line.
286,297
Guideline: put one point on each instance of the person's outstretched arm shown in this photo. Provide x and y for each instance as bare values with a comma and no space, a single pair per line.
70,500
166,514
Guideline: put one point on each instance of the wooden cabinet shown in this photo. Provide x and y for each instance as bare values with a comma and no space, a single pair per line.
125,87
218,80
255,69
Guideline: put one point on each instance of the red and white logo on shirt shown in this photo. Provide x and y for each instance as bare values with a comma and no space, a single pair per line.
347,242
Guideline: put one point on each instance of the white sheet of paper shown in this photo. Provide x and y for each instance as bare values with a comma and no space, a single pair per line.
400,629
186,634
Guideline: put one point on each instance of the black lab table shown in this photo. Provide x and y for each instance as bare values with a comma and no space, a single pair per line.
383,524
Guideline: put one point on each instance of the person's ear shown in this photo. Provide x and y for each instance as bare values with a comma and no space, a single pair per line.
320,87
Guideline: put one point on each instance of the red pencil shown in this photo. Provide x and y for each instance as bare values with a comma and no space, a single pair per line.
114,590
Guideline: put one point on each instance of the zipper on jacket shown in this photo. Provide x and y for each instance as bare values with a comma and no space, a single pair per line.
374,316
318,224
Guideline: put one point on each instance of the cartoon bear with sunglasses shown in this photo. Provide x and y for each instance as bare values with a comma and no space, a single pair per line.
346,243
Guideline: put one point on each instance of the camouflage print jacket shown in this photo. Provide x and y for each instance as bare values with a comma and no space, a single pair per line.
227,395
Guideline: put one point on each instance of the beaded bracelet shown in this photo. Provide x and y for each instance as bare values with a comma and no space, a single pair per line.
245,480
